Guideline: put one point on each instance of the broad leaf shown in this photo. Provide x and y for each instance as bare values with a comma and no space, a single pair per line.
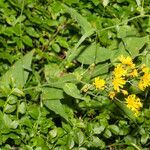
125,110
52,94
134,44
82,21
72,90
94,54
57,107
18,72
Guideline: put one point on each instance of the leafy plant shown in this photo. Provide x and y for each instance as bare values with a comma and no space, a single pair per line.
51,54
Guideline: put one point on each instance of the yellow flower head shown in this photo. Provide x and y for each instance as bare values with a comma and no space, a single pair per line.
127,61
144,81
118,83
112,94
134,103
134,73
99,83
119,71
145,69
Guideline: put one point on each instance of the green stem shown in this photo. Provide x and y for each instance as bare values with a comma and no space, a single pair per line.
123,22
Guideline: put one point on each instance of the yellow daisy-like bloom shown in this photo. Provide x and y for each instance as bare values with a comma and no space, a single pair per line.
112,94
118,83
119,71
133,103
144,81
145,69
127,61
99,83
134,73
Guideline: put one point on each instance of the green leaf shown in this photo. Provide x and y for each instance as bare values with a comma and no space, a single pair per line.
56,48
18,92
27,40
12,99
31,31
9,108
125,110
17,72
62,42
96,142
107,133
98,129
105,3
22,108
72,90
26,121
14,124
114,129
80,137
70,141
69,2
82,21
126,31
130,140
7,121
33,111
2,125
94,54
57,107
144,138
100,69
134,44
52,94
53,133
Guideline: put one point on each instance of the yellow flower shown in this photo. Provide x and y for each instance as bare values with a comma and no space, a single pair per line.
145,69
99,83
112,94
134,73
118,83
124,92
134,103
119,71
127,61
144,81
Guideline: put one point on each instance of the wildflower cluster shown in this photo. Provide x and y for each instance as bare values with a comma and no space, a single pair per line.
123,77
133,102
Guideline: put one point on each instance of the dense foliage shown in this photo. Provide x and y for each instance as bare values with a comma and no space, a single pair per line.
55,59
